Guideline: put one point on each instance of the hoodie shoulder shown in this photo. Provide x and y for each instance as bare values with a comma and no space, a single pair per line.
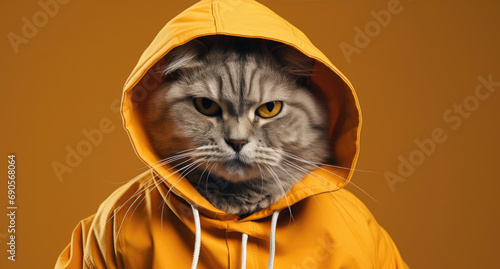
95,241
132,190
376,243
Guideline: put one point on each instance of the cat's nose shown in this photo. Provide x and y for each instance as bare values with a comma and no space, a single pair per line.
236,144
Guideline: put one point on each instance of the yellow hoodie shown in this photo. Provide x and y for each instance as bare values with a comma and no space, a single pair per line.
144,225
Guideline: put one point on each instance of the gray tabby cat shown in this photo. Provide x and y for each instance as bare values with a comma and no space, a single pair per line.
239,114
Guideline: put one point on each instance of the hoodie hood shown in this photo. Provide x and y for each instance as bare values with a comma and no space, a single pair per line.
250,19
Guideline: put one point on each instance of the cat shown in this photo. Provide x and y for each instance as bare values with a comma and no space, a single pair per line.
239,118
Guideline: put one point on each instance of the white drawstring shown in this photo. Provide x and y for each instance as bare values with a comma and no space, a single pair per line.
197,239
272,247
244,240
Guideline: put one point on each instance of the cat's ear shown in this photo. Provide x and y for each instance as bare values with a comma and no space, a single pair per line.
293,61
183,57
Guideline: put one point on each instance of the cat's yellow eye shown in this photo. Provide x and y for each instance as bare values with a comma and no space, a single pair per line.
206,106
269,109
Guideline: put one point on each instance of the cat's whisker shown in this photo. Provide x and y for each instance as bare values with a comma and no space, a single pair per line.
271,163
337,199
337,175
161,163
127,181
179,155
305,171
299,181
313,173
273,174
126,212
143,190
261,178
204,170
295,157
177,180
137,206
183,175
305,187
208,176
292,165
149,190
172,158
152,188
275,177
342,206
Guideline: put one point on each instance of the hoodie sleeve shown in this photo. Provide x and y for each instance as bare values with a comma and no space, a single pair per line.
88,249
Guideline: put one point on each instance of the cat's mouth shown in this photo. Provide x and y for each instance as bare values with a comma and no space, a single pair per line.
236,170
235,163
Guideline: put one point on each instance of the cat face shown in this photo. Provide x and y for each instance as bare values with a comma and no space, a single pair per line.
238,114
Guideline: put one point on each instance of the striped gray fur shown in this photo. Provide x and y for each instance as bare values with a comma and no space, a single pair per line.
238,74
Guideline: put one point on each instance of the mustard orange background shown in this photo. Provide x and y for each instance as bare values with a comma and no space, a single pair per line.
67,79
